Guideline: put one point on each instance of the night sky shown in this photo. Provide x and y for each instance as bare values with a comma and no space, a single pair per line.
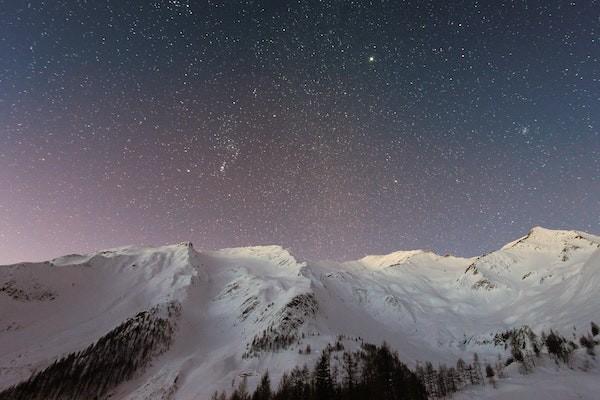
334,128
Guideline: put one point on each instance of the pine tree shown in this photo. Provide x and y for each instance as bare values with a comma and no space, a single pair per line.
442,387
219,396
500,367
452,380
299,384
431,379
516,351
285,389
349,367
263,391
242,390
420,371
489,373
557,346
535,345
461,374
323,381
477,370
588,343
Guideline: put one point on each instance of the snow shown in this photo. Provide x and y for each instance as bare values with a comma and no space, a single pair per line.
546,382
427,306
559,385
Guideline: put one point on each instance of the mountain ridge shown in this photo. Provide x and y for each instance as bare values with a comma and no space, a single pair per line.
277,247
248,309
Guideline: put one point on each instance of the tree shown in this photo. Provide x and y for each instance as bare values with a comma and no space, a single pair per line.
533,340
431,380
349,367
588,343
557,346
478,375
461,374
285,389
322,377
516,351
451,381
595,329
219,396
263,391
489,373
442,384
500,367
241,393
300,384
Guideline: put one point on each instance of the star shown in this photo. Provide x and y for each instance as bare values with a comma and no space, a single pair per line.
292,122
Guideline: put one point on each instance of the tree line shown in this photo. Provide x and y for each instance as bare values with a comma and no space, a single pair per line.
376,372
89,374
525,346
373,372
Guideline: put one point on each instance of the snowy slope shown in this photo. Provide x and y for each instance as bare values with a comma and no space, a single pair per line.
547,382
245,310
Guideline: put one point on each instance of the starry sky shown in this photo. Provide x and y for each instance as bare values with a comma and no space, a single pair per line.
334,128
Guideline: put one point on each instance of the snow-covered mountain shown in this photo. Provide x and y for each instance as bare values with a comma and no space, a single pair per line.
233,313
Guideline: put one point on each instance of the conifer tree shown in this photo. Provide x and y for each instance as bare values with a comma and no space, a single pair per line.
431,379
557,346
349,367
322,377
490,374
478,374
452,380
499,367
461,373
442,387
588,343
263,391
595,329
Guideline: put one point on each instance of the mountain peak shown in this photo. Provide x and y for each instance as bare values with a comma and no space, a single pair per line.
545,237
273,253
386,260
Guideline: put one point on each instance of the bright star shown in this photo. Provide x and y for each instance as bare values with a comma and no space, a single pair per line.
371,59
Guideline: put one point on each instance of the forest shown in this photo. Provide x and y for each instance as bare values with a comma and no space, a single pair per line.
376,372
91,373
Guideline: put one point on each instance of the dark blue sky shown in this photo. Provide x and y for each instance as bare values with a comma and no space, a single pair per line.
334,128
